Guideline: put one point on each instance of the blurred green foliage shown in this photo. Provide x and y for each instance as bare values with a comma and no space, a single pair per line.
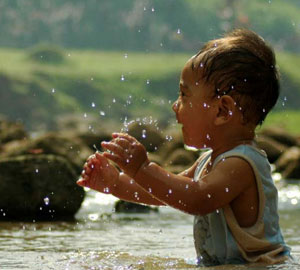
47,54
109,85
145,25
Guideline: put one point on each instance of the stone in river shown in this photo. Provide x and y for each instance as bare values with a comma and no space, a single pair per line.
38,187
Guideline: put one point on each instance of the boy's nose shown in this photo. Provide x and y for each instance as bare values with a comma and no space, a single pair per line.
175,106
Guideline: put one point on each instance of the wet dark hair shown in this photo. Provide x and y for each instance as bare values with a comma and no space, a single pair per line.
242,66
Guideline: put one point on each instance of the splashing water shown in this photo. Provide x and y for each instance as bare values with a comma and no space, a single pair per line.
46,201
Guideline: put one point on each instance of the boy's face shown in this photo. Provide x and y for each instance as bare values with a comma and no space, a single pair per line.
194,109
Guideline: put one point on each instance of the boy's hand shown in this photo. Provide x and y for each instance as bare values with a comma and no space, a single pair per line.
129,154
98,174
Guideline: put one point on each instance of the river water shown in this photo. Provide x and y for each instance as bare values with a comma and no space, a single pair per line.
102,239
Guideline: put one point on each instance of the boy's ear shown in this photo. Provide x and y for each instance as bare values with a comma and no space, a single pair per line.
225,110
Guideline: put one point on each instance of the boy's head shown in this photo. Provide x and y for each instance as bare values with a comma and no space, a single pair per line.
242,66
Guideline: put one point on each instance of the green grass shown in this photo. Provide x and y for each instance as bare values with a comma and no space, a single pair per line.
91,64
286,119
95,76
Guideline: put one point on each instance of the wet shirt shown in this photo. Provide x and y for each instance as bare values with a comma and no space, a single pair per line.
218,237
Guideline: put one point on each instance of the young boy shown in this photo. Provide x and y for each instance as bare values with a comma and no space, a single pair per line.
226,90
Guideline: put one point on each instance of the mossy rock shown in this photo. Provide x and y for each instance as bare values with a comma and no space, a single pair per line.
41,187
129,207
47,54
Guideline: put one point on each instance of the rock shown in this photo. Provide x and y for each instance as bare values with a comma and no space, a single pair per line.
280,135
169,146
289,163
147,134
93,140
181,157
176,169
71,148
155,158
129,207
39,187
10,131
272,147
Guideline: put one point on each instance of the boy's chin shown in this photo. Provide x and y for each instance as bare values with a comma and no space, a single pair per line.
191,144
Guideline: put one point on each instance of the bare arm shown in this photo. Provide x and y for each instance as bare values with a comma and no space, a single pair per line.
128,190
100,175
218,188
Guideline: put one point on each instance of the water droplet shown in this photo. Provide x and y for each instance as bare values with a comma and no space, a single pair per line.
152,9
178,31
227,189
230,113
46,201
187,186
217,211
169,138
53,90
85,115
209,196
264,110
150,190
102,113
294,201
145,8
131,181
207,136
170,191
148,82
122,78
245,80
232,86
125,55
144,134
127,160
204,105
201,65
93,105
136,194
92,79
114,100
37,170
69,54
106,190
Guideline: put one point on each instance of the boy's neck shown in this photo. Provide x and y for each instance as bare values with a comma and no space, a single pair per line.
229,140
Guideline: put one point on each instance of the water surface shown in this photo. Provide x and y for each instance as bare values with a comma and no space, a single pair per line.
102,239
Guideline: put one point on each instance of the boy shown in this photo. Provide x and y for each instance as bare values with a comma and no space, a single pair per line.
226,90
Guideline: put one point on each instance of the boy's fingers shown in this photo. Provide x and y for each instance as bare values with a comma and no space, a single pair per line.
88,170
81,182
124,136
114,158
113,147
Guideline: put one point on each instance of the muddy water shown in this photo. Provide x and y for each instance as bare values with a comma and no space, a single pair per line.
102,239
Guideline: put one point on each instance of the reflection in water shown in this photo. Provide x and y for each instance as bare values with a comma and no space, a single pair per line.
102,239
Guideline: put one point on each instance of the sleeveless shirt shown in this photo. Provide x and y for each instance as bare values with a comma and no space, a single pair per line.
218,237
